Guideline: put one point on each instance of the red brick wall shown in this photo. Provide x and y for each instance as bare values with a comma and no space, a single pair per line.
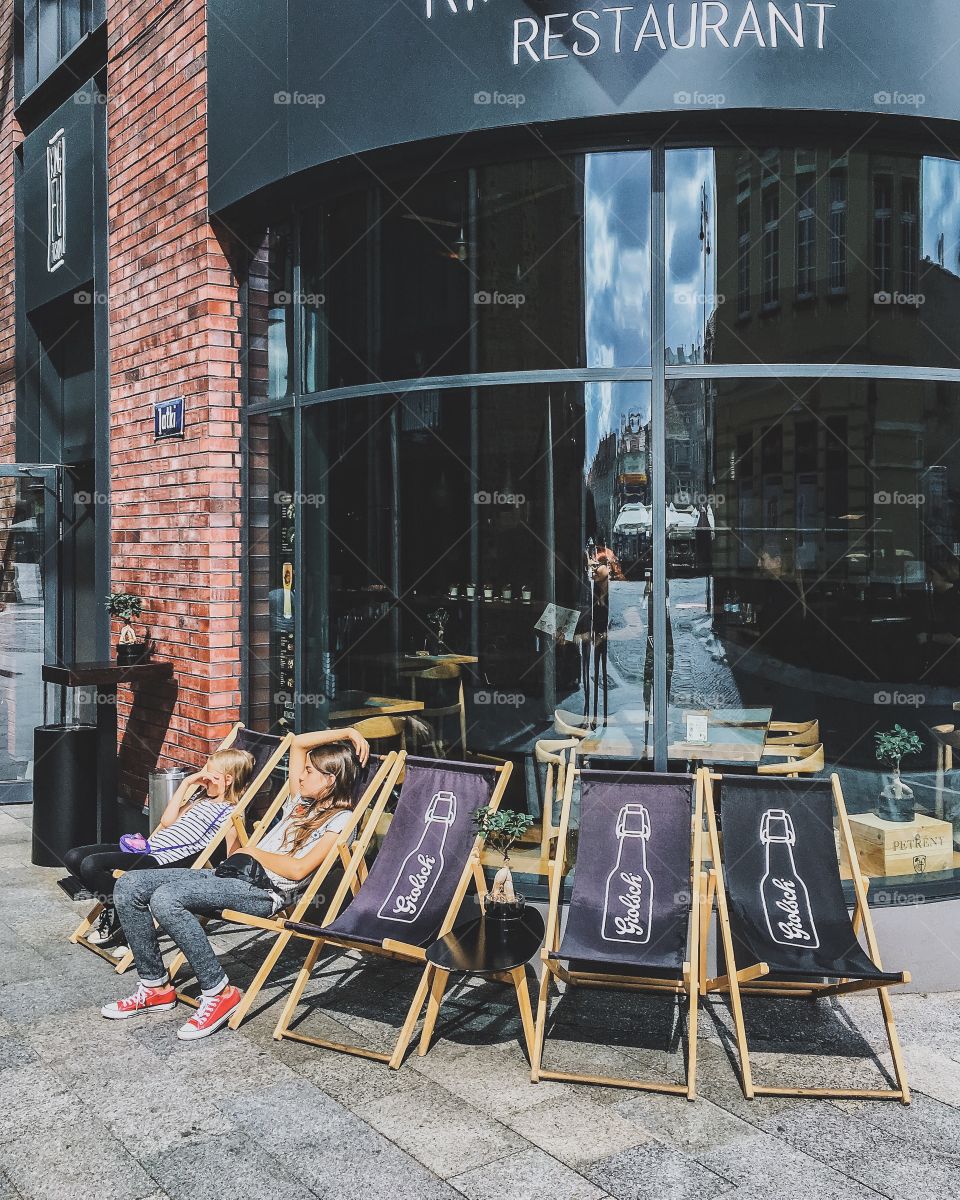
10,138
174,330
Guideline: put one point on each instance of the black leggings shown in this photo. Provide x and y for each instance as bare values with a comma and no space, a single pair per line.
94,866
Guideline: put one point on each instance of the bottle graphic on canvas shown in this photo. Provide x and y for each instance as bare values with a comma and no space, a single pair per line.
423,865
783,894
628,900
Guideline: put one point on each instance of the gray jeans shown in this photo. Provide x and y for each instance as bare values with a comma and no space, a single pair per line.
175,898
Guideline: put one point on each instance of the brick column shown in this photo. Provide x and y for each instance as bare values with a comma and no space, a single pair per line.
174,331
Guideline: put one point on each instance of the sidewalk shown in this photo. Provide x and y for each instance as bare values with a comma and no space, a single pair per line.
91,1110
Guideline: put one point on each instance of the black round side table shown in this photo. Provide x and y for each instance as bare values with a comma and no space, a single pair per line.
491,948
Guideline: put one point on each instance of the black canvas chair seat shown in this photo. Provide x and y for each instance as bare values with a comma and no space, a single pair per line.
631,921
821,942
412,881
634,834
414,890
782,917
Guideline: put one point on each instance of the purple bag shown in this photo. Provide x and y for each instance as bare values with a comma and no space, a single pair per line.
134,843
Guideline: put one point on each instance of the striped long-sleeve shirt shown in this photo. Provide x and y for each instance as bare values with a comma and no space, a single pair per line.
190,833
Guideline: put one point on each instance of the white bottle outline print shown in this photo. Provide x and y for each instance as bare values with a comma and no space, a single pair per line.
423,866
628,896
782,889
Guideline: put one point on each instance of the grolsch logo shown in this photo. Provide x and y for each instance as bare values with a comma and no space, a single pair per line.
56,201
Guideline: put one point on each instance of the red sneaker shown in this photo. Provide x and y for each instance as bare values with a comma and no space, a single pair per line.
213,1012
143,1000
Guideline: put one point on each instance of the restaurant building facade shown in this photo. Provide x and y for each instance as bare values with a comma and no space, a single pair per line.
455,297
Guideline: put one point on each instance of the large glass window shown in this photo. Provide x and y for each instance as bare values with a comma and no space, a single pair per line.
541,264
463,523
481,561
51,29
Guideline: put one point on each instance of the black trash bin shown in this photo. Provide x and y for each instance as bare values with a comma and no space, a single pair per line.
64,791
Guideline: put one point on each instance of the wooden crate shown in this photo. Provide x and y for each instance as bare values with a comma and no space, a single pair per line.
910,848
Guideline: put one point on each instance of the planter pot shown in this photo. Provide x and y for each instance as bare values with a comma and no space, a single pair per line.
498,911
131,653
896,802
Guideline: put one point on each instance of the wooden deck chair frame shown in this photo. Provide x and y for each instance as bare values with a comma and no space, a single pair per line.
531,856
750,980
78,937
380,786
389,948
688,985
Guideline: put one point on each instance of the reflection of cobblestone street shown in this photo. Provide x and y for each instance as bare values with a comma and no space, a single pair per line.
701,673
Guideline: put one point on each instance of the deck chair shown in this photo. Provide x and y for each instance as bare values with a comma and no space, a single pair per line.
782,917
376,780
633,927
268,751
406,903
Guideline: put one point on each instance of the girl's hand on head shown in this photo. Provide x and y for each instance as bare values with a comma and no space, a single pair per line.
360,745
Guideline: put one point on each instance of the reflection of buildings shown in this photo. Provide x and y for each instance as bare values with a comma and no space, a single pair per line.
619,474
816,255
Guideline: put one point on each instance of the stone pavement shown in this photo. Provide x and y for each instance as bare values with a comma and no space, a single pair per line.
96,1111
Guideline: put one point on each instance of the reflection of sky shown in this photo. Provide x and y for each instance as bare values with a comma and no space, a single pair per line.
606,403
617,259
941,211
687,309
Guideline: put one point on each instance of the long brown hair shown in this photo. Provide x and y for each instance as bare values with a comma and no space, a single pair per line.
339,760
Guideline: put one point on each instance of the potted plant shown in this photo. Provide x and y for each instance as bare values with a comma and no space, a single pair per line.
500,829
896,799
127,608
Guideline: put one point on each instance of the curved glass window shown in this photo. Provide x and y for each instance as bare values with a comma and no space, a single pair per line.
484,562
514,267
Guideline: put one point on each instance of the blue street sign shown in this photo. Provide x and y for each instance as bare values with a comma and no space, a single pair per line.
168,418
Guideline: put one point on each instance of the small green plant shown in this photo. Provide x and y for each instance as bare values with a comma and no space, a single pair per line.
501,829
125,608
895,744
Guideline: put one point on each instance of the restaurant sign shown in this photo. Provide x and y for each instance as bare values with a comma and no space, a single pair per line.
614,29
328,81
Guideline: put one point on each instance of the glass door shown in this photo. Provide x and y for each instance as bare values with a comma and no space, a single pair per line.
29,550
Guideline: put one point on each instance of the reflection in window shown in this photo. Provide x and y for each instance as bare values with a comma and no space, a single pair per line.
617,259
743,247
827,585
770,200
270,316
509,527
806,229
838,228
909,241
883,232
692,295
271,508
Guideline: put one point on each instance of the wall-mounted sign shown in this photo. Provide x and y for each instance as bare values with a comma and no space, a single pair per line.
56,201
168,418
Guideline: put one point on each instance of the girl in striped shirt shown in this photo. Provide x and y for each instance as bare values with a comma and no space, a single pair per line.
196,814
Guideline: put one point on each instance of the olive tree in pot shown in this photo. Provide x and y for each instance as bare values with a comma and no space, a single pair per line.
500,830
126,609
896,799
